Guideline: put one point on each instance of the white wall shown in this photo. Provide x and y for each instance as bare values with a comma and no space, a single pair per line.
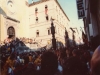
53,11
41,12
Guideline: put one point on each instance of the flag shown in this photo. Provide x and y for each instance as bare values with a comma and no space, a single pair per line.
84,37
46,10
36,13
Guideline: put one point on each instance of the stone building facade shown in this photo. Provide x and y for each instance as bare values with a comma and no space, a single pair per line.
18,18
40,14
13,17
92,22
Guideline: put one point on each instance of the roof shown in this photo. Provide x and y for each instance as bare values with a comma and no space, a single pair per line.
41,1
62,9
12,19
38,2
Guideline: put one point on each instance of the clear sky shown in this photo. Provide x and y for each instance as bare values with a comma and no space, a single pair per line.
69,6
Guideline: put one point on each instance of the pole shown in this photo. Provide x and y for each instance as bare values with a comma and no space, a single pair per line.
53,34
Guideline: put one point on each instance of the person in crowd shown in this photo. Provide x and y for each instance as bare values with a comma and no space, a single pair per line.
37,62
67,56
62,56
26,59
29,70
68,52
9,65
4,71
85,62
95,62
72,66
48,67
64,61
30,58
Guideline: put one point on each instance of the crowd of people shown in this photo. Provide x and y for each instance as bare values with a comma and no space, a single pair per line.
63,61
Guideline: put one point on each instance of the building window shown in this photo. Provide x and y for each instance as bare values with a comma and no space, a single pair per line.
47,18
46,6
56,8
60,20
58,30
57,17
48,31
55,30
29,19
36,11
11,31
36,19
37,33
46,9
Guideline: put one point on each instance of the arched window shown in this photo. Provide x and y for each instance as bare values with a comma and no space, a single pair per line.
11,31
37,33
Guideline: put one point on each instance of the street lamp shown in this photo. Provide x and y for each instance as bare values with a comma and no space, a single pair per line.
66,38
73,35
53,34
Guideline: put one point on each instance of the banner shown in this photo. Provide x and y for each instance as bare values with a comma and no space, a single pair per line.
46,10
36,13
80,9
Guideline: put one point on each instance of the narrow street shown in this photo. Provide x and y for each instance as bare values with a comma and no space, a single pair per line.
49,37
